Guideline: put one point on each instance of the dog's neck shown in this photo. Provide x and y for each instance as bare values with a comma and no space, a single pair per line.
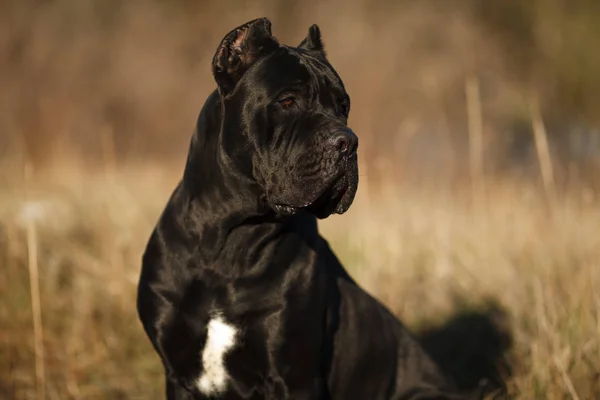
214,199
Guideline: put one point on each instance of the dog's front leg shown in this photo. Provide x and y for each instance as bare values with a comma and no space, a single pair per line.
177,392
176,336
424,392
179,346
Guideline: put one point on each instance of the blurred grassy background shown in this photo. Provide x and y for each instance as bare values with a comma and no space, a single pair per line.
492,263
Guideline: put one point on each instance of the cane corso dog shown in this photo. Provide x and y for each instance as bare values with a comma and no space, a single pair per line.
239,294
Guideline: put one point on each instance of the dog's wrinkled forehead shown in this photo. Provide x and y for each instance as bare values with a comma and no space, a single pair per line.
293,68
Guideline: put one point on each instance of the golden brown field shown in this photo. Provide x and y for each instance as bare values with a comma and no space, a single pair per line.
97,103
503,269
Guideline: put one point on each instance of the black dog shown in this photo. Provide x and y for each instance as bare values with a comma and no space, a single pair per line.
239,294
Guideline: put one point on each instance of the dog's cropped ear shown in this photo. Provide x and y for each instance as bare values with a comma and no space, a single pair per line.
313,41
239,49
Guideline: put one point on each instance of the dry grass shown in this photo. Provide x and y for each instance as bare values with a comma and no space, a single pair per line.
430,254
99,96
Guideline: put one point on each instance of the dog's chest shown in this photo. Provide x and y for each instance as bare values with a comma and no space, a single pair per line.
222,336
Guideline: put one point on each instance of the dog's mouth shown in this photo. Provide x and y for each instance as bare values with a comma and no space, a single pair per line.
336,198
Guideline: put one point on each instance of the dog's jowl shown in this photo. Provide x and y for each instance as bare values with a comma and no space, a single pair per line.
239,294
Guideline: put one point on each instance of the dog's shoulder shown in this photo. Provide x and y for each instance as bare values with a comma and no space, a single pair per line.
170,240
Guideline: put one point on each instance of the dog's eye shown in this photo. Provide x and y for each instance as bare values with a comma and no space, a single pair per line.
287,102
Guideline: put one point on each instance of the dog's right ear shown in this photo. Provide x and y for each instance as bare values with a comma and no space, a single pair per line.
313,41
238,50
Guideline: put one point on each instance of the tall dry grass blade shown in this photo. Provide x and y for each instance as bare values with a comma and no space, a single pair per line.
566,379
474,115
597,304
543,150
36,307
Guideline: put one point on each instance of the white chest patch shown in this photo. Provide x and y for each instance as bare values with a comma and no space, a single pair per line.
220,339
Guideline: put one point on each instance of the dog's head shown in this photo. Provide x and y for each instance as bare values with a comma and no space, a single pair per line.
285,114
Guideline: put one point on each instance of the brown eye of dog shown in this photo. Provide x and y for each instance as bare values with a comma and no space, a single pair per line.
287,102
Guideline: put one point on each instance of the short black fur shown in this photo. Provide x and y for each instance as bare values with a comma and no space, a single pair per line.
238,238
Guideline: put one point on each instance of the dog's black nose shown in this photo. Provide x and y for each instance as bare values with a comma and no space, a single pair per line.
344,141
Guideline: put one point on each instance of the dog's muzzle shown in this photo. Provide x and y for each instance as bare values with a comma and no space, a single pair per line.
336,193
